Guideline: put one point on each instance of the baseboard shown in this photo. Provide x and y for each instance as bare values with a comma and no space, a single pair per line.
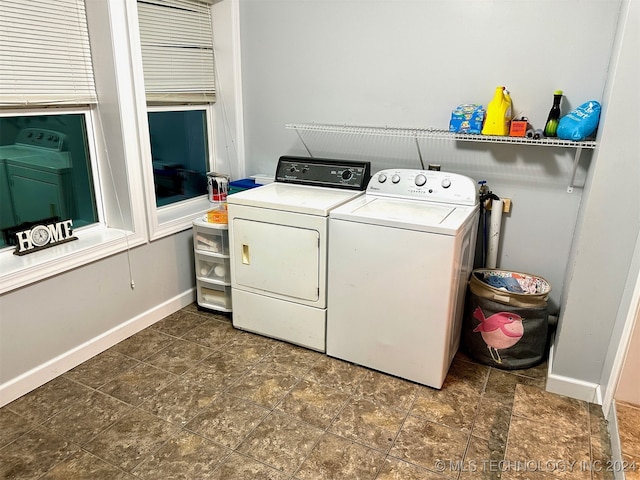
51,369
572,387
616,447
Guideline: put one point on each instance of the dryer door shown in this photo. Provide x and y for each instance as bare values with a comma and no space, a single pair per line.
277,260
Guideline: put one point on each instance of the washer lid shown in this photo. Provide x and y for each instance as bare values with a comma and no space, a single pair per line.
294,198
408,214
35,157
15,151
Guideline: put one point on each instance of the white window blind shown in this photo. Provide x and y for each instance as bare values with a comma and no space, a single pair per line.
176,38
45,57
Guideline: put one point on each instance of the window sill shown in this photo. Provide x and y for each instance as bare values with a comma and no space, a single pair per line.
94,243
179,217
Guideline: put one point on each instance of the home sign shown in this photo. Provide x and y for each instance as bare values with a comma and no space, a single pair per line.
43,236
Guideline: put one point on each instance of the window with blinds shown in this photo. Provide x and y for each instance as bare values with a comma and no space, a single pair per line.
45,57
176,43
177,51
45,165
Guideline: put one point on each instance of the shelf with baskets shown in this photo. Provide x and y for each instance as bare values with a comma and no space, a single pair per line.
212,265
440,134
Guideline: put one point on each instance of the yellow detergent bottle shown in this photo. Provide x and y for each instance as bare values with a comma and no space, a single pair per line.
499,114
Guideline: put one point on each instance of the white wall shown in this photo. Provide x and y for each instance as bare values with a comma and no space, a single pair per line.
51,326
408,63
603,268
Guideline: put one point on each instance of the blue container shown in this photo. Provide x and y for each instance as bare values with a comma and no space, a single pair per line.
242,184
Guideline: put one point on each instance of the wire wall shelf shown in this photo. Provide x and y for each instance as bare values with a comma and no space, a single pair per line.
441,134
434,133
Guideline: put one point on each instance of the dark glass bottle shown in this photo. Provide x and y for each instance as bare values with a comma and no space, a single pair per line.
551,127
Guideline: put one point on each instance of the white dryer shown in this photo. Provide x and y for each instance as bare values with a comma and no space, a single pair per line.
278,247
399,261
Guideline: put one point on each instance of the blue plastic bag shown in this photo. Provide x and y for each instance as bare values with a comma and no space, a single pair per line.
580,122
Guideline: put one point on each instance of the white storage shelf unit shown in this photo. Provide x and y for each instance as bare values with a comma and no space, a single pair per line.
211,252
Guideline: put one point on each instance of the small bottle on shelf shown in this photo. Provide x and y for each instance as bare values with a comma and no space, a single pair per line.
551,127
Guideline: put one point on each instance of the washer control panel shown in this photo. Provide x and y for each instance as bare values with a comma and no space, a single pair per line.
428,185
323,172
41,138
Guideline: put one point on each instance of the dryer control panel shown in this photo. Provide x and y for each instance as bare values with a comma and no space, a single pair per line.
323,172
428,185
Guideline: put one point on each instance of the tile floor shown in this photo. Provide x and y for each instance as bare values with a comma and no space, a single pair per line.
191,397
628,416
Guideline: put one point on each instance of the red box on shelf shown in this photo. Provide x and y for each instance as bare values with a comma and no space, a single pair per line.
518,128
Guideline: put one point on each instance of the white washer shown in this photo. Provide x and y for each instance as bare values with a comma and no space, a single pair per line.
35,178
399,261
278,247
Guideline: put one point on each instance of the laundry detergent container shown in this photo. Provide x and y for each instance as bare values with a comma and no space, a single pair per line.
505,321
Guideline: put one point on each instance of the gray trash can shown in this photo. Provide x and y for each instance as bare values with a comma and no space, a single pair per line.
505,322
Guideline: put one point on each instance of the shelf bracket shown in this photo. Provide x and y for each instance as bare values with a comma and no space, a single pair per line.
576,160
415,137
303,143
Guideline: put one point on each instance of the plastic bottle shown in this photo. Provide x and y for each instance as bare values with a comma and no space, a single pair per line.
551,127
498,113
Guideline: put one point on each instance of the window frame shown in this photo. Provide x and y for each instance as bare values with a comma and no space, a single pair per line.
178,216
166,220
113,144
110,235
